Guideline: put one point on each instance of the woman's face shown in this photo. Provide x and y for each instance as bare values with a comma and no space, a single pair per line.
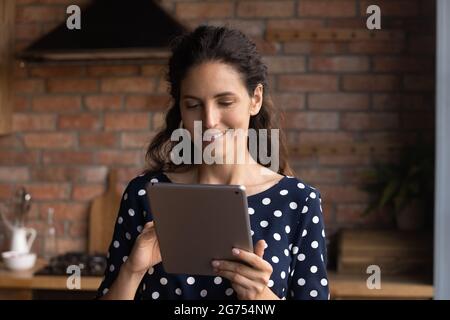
215,94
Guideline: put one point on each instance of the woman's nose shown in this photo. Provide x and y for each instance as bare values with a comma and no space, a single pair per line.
211,117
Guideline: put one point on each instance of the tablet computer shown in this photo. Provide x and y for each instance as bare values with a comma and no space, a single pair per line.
196,223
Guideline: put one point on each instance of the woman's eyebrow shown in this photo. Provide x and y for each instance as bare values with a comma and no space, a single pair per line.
226,93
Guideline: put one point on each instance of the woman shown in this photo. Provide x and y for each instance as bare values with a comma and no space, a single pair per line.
217,77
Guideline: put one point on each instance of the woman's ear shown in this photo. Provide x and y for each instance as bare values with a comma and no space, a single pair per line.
257,100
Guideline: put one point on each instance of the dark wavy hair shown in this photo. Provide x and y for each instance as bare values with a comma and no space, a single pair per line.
229,46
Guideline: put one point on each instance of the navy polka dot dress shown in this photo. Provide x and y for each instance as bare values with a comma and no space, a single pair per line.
288,216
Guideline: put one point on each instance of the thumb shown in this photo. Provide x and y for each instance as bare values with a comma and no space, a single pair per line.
260,247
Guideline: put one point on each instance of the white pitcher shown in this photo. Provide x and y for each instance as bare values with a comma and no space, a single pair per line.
22,239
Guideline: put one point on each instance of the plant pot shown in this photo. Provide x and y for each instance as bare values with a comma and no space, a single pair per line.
411,217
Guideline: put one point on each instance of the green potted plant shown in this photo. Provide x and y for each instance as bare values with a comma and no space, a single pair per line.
405,188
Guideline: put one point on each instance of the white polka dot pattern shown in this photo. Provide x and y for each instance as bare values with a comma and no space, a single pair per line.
288,216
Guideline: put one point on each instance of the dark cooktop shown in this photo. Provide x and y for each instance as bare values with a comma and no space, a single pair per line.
93,265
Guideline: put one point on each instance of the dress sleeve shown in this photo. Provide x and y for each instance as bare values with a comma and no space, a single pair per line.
309,274
127,227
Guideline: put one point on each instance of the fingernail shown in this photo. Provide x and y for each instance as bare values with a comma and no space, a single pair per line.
215,263
235,251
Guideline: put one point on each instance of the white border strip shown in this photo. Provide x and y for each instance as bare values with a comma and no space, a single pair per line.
442,183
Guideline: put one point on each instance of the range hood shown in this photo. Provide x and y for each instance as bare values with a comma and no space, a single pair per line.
110,29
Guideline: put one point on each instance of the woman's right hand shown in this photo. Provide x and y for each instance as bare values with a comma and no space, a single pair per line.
145,252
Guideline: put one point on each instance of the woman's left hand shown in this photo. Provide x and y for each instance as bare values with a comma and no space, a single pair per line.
250,277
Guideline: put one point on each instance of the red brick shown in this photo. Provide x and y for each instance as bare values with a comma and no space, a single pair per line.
53,174
67,157
322,47
422,44
30,31
49,191
26,14
418,120
72,245
204,10
371,83
265,47
56,103
28,157
408,102
147,102
57,71
419,83
113,70
10,142
33,122
289,101
402,64
119,157
92,174
322,175
326,8
158,120
87,191
262,9
311,120
294,23
339,64
285,64
6,191
306,83
342,194
21,103
343,159
124,175
14,174
28,86
338,101
369,121
78,229
316,137
154,70
345,23
129,84
376,47
103,102
49,140
136,140
393,8
79,121
72,85
98,140
126,121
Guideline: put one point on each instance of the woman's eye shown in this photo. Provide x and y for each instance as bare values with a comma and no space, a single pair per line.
192,106
225,104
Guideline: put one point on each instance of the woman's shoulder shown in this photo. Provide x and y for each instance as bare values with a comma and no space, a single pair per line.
141,181
301,188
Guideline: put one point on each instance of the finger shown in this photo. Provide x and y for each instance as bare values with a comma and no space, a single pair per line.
240,290
260,247
237,279
236,267
251,259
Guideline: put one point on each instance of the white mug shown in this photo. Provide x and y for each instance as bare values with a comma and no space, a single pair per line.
22,239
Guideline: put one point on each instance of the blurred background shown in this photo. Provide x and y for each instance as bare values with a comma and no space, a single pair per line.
78,108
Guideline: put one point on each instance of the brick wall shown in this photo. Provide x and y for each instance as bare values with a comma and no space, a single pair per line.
73,122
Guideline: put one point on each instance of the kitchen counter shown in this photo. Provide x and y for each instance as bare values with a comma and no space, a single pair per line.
20,285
